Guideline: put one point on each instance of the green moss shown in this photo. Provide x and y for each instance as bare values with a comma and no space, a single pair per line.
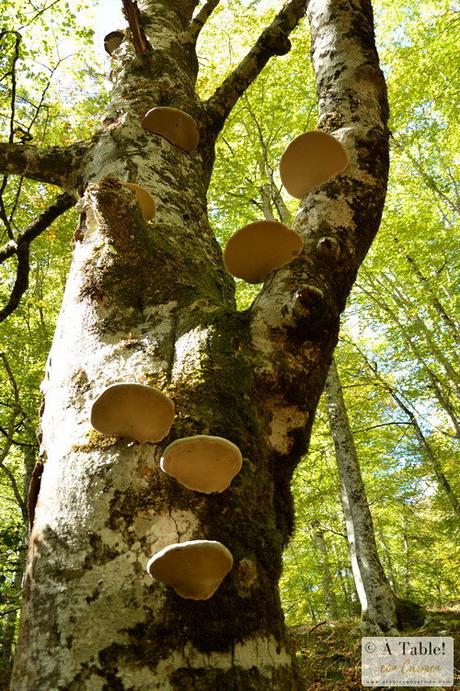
234,678
96,440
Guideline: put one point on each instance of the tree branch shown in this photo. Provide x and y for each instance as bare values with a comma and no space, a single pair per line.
10,433
297,311
56,165
200,19
272,41
12,74
21,248
133,17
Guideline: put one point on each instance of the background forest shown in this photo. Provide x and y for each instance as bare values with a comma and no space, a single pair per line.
398,357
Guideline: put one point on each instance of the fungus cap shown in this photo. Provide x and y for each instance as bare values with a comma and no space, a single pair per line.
195,569
311,159
258,248
143,198
113,40
134,411
173,124
202,463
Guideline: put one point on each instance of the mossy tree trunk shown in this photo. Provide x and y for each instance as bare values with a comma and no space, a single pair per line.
152,303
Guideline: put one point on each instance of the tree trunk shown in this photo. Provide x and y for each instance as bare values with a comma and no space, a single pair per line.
379,604
388,560
425,447
152,303
330,600
347,585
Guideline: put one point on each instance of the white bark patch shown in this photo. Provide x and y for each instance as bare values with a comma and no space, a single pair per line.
262,653
189,351
272,311
284,421
335,212
110,614
164,530
268,314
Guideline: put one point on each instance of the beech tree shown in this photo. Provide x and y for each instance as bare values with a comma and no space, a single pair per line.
152,303
381,608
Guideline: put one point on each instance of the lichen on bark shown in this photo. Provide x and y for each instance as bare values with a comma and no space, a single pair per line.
151,302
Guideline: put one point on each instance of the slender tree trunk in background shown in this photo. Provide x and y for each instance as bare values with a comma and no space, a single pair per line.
433,297
347,587
436,384
381,609
330,600
414,319
425,447
388,559
311,609
407,562
433,461
10,622
152,303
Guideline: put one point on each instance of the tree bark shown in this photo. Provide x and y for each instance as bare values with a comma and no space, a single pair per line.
381,609
152,303
330,600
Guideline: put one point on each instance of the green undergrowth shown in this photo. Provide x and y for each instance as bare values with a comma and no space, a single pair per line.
329,656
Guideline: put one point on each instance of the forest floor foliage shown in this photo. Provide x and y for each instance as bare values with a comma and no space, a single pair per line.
329,655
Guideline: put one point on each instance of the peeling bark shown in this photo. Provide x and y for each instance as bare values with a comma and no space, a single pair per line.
152,303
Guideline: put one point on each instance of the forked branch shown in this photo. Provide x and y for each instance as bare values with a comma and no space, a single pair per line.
201,18
272,41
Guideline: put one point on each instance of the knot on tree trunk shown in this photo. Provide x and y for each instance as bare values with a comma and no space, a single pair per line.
328,247
276,41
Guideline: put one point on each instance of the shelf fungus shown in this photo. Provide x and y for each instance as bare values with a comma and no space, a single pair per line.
202,463
143,198
311,159
113,40
173,124
134,411
258,248
195,569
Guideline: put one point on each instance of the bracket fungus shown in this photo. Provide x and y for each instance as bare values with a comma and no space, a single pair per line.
143,198
258,248
134,411
173,124
195,569
113,40
311,159
202,463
